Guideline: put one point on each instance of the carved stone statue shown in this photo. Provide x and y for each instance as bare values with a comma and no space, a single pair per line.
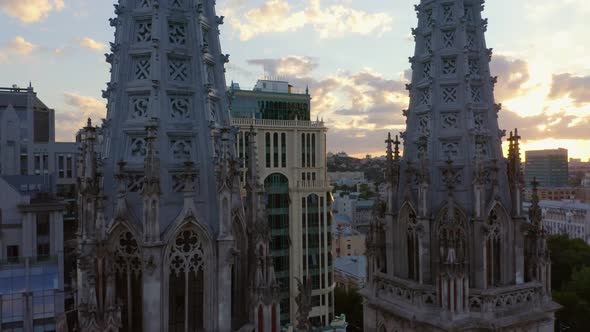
303,301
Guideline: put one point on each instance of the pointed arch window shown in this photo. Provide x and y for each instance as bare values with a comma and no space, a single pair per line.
239,297
128,280
493,249
186,283
413,246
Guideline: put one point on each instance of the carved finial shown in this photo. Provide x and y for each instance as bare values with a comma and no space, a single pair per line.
389,142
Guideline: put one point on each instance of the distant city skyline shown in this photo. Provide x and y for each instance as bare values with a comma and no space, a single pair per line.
352,55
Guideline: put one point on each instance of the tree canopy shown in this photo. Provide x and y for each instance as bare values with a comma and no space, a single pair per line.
570,274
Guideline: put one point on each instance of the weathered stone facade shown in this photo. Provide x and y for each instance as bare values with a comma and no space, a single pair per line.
165,242
453,250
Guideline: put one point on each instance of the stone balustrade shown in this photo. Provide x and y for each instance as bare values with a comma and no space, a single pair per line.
406,291
486,301
505,298
242,122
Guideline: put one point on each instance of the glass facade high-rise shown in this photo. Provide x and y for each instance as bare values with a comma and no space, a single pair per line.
549,167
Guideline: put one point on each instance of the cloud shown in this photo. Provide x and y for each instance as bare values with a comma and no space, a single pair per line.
366,97
22,47
512,74
329,21
575,87
91,44
16,48
360,108
30,11
544,126
287,66
78,109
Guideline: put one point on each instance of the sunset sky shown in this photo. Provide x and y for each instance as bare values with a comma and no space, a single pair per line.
352,54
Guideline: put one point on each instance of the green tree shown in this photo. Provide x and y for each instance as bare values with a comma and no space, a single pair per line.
570,281
575,299
567,255
350,304
365,192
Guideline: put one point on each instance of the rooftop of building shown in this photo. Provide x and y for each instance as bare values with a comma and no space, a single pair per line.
344,229
565,204
19,98
269,86
547,152
355,266
270,100
341,219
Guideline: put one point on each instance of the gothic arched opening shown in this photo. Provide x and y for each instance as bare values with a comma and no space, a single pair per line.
276,186
186,282
493,248
451,237
239,284
128,280
410,222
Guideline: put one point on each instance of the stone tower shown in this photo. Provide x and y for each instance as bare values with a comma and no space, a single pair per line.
165,243
453,250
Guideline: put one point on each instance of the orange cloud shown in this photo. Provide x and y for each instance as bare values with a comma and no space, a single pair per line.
91,44
30,11
330,22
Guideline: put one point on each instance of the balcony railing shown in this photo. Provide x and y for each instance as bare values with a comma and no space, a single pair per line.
277,123
316,184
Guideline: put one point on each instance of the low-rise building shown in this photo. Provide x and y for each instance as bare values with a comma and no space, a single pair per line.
349,179
31,254
581,194
346,241
571,218
358,210
577,167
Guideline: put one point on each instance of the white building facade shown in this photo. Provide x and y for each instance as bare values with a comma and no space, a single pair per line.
350,179
567,217
292,168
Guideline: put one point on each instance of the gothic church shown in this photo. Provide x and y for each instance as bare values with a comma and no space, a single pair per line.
453,250
165,240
